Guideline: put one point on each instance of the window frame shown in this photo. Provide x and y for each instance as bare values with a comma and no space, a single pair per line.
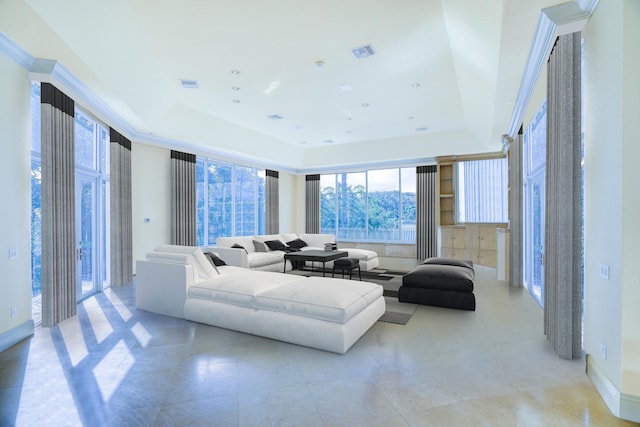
203,236
402,229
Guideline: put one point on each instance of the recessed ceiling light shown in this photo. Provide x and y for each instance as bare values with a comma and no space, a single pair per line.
235,88
235,72
421,129
411,117
345,87
416,84
365,104
275,117
189,84
349,118
363,51
319,65
236,101
328,141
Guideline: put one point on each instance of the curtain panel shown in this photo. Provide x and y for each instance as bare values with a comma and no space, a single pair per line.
58,206
272,189
121,235
563,235
426,220
312,204
516,213
183,198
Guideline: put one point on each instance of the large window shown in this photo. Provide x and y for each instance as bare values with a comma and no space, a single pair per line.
482,187
230,201
377,205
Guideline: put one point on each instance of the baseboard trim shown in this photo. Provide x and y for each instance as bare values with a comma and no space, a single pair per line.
15,335
622,405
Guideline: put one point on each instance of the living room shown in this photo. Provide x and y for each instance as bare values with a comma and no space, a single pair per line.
611,202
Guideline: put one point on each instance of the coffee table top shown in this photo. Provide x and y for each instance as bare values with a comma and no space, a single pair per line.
316,255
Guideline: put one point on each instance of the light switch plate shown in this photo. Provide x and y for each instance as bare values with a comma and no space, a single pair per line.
604,271
13,253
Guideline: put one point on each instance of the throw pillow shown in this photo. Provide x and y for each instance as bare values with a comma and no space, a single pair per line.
260,246
297,244
237,246
215,260
275,245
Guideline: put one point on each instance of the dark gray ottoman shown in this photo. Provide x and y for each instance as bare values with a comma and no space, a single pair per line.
446,284
346,264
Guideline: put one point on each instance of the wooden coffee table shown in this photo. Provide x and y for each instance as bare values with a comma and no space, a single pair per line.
314,256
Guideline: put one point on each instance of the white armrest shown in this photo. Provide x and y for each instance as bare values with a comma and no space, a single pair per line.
232,256
161,287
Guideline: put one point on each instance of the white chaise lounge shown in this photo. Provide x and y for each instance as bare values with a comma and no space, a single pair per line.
323,313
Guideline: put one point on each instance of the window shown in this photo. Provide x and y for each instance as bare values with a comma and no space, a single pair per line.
377,205
230,201
482,191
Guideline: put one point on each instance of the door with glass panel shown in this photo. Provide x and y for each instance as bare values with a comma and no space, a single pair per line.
536,236
86,203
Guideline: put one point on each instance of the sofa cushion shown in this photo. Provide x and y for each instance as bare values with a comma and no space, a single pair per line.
237,246
201,264
297,244
237,287
260,246
260,259
287,237
245,241
275,245
361,254
318,240
215,260
265,237
327,299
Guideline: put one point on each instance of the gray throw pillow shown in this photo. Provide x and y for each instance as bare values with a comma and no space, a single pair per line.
260,246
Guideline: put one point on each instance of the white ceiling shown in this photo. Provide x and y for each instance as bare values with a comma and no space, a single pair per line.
443,80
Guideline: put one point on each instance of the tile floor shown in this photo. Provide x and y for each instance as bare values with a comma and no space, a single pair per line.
113,365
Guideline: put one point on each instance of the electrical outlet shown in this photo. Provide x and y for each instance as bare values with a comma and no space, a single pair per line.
603,351
13,312
604,271
13,253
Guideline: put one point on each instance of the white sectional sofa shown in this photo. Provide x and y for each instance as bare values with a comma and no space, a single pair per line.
252,259
323,313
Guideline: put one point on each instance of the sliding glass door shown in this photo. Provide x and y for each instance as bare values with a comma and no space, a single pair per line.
535,140
86,203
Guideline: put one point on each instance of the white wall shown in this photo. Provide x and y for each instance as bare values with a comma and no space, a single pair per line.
630,200
15,166
151,192
612,203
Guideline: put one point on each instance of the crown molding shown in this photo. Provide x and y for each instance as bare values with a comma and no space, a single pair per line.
15,52
554,21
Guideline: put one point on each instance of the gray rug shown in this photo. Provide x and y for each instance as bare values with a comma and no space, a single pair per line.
397,312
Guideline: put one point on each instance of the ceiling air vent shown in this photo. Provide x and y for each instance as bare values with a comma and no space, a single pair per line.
189,84
363,51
